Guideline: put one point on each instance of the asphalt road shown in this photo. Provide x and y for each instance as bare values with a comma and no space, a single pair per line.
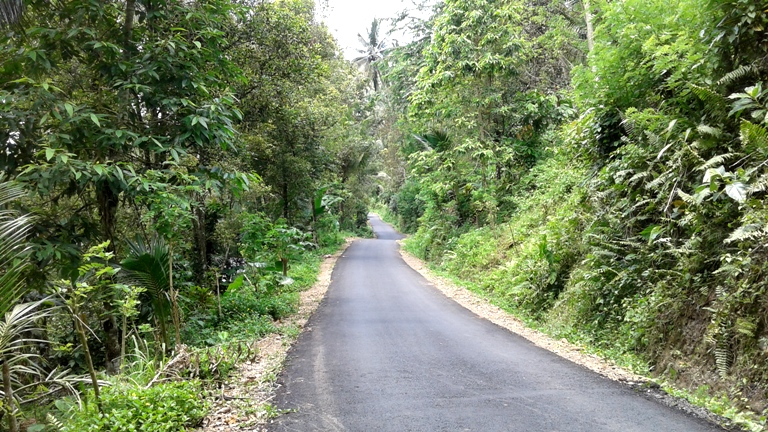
386,351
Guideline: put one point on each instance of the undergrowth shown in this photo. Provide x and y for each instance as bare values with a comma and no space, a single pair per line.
542,264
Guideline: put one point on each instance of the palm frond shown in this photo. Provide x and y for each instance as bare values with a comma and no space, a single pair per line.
147,265
14,228
19,320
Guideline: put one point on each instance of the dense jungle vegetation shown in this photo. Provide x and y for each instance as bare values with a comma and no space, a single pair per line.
172,173
599,168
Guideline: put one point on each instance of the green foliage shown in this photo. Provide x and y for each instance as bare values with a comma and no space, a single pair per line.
147,265
14,228
265,240
627,213
170,124
167,407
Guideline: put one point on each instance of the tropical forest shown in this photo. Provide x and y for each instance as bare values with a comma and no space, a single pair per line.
174,174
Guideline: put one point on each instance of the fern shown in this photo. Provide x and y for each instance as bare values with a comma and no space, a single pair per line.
54,423
746,327
715,161
659,180
761,185
737,74
713,101
747,233
723,357
753,135
709,130
653,139
688,199
638,176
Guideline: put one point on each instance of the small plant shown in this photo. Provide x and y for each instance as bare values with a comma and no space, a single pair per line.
264,239
166,407
93,282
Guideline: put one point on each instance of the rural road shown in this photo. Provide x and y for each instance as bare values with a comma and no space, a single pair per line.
386,351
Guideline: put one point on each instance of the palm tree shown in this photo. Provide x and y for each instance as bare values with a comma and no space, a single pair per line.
148,265
15,319
10,11
373,51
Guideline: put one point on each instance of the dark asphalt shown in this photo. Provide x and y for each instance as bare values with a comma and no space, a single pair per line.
386,351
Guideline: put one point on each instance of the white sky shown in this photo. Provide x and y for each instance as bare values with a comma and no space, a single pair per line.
347,18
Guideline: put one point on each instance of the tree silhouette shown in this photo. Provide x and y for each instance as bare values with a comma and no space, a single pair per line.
373,51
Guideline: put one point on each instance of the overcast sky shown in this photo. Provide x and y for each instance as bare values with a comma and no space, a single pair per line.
347,18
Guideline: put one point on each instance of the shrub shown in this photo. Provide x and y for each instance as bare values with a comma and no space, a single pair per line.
168,407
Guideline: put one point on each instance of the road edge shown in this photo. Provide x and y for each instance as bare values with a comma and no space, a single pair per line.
484,309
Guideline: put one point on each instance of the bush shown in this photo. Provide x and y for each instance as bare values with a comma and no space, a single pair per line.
167,407
245,314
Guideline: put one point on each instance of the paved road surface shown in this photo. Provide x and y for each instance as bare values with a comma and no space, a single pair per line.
385,351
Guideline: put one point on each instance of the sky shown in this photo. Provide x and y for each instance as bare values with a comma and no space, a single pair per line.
347,18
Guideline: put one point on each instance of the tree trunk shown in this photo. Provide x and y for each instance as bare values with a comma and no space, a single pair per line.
111,338
88,360
130,12
108,203
200,244
9,401
285,199
174,299
590,30
122,341
218,292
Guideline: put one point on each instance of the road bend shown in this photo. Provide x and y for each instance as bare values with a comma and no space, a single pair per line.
386,351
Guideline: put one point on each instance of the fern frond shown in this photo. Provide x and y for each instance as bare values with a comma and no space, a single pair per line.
54,423
761,185
638,176
716,161
737,74
723,358
712,99
709,130
753,135
688,199
628,124
659,180
749,232
746,327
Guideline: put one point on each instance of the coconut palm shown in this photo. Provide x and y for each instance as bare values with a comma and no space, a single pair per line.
373,51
